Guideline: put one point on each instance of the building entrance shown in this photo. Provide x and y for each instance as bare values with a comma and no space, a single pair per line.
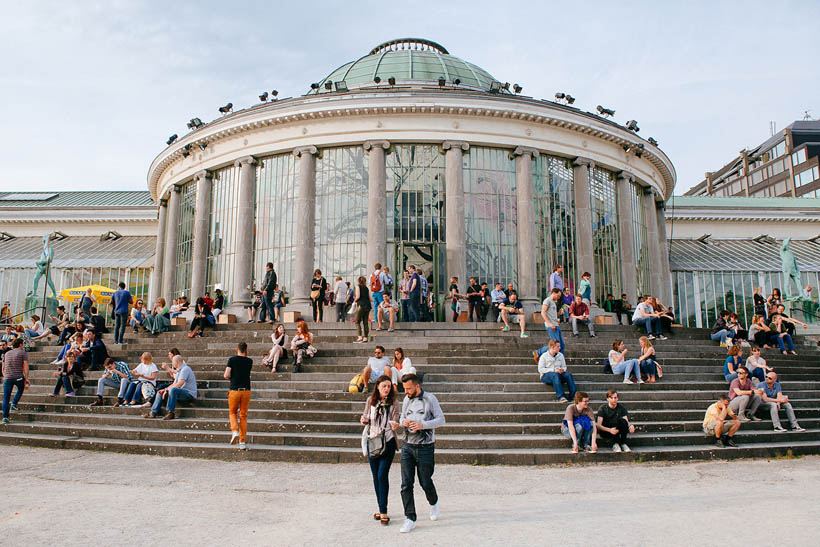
427,257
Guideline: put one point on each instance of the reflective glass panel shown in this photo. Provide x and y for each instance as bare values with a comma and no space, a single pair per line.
276,218
185,239
222,232
605,234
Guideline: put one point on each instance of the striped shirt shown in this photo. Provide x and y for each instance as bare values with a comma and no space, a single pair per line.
14,359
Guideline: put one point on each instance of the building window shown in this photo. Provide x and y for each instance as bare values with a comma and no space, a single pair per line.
799,157
640,241
605,237
185,241
222,232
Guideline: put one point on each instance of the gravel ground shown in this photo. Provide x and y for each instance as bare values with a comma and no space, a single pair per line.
67,497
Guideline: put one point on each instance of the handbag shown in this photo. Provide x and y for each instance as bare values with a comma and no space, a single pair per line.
376,445
314,295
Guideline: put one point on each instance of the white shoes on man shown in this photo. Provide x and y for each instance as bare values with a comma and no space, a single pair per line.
410,524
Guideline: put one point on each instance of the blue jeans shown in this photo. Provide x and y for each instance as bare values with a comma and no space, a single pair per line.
421,459
652,325
172,395
405,310
783,341
555,379
555,335
415,314
758,373
130,391
8,384
63,381
378,298
32,333
584,437
266,309
730,377
103,383
628,367
649,367
380,468
722,335
120,322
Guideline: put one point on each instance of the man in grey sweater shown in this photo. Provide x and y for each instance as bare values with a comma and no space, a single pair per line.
420,415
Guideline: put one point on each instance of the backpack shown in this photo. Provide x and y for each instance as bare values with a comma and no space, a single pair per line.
357,384
607,367
375,282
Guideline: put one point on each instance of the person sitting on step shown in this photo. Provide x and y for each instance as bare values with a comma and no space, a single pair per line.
790,322
619,363
647,362
202,318
137,315
401,366
721,330
645,316
513,311
387,308
579,313
756,365
69,375
717,422
774,400
142,384
115,371
552,370
183,389
743,395
759,332
733,363
278,351
579,425
378,365
740,334
613,422
93,352
301,345
779,335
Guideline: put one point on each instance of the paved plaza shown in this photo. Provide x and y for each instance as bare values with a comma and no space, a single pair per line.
67,497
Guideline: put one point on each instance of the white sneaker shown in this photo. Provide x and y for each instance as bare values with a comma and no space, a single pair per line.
625,448
627,381
407,526
616,448
640,381
243,446
434,511
234,437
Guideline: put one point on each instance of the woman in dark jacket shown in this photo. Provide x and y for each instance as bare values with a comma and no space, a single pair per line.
318,288
363,307
69,370
202,318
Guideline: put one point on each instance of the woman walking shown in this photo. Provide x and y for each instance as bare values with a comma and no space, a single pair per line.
318,288
381,419
363,306
278,351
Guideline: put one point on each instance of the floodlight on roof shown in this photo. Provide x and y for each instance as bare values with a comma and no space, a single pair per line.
507,86
171,139
225,109
632,125
517,88
441,81
195,123
377,80
57,236
391,80
815,239
457,81
328,85
202,146
570,99
274,93
263,97
186,150
653,142
5,236
495,87
314,86
605,112
341,85
765,238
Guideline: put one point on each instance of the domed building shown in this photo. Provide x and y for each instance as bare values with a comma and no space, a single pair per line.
409,155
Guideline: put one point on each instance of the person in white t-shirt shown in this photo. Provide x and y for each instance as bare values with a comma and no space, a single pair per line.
387,308
646,317
340,300
144,382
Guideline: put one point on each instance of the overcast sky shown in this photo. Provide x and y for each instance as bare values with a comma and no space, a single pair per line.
90,91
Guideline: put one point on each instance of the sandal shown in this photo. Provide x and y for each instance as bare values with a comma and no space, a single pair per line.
385,520
377,516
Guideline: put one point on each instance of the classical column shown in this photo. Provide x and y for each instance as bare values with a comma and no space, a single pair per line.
159,254
202,217
663,248
243,272
304,231
626,228
455,222
651,215
376,204
527,240
585,260
171,241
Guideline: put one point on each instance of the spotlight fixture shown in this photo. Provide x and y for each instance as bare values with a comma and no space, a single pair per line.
263,97
605,112
171,139
225,109
639,148
570,99
632,125
328,85
186,150
377,80
391,80
195,123
441,81
495,87
653,142
202,146
457,81
273,95
507,86
341,85
517,88
314,86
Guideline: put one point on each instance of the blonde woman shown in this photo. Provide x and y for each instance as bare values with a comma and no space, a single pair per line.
646,361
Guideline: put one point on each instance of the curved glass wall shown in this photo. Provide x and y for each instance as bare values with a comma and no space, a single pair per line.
605,234
341,212
276,218
555,214
491,212
222,231
185,240
641,241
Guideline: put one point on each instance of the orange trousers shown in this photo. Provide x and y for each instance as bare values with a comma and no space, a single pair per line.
239,401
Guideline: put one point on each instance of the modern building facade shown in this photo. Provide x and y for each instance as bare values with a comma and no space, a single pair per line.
409,155
785,165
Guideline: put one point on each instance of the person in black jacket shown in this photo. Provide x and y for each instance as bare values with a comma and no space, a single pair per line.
268,285
202,318
318,284
98,322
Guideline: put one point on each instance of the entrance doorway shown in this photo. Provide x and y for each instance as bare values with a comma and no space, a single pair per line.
427,257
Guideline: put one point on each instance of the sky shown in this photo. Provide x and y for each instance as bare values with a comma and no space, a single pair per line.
90,91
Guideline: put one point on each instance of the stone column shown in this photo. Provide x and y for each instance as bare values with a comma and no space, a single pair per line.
376,204
159,254
663,246
527,240
304,231
627,230
243,272
585,260
455,222
171,242
651,215
202,217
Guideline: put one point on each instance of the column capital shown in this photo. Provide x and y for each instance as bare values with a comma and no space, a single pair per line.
373,144
583,162
626,176
204,174
312,150
246,160
524,151
447,145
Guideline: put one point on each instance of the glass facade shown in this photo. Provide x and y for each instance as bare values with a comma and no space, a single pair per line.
490,208
640,241
605,234
555,214
341,212
222,231
185,240
276,218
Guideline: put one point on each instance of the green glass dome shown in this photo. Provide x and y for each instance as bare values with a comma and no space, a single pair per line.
411,61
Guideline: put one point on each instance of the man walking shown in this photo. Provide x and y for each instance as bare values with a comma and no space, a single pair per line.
238,371
15,374
268,286
122,299
420,415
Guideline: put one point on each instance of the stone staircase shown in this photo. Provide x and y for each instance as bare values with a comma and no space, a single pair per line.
497,411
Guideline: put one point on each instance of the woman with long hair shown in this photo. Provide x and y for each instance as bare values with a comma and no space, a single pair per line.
759,302
773,301
732,363
619,364
159,319
301,345
318,288
647,361
202,318
363,306
381,419
278,351
780,335
402,365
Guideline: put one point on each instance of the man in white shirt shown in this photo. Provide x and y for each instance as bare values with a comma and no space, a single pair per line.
552,368
497,298
377,366
645,316
388,308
